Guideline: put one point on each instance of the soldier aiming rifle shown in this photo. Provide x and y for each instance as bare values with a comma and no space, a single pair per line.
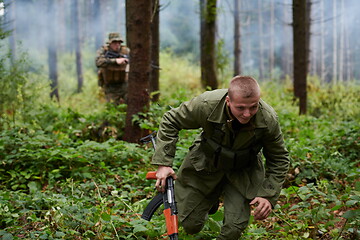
112,61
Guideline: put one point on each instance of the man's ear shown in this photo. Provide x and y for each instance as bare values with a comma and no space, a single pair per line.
227,99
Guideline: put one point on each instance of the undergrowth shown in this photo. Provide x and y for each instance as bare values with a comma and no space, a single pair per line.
66,174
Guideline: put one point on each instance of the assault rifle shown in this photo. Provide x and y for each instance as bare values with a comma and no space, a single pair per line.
111,54
170,210
167,198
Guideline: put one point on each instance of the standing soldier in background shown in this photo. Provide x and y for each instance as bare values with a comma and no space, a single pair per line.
112,60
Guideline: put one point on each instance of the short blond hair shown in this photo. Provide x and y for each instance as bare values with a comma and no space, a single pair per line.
246,86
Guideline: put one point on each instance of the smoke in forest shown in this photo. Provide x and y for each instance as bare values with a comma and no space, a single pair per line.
266,30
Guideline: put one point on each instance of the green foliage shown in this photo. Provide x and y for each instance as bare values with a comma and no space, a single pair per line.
66,174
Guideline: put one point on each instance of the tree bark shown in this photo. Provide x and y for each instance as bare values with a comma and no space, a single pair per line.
99,31
155,49
342,42
322,42
237,38
76,19
208,44
286,64
52,52
335,51
301,19
10,21
261,46
138,17
272,37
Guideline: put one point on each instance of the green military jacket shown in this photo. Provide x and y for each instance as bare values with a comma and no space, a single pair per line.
208,110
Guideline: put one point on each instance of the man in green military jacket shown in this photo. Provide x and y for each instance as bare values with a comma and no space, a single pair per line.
225,159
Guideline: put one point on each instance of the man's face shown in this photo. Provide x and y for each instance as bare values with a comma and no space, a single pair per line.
243,109
115,46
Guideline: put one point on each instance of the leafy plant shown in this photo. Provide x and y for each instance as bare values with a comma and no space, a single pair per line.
66,174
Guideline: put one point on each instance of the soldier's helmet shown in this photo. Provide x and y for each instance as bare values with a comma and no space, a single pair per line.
114,37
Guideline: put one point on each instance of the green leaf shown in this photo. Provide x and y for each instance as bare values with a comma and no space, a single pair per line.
7,236
218,216
336,207
105,217
214,225
139,228
33,187
351,214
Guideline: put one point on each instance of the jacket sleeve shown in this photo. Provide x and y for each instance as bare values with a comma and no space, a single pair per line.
277,162
102,61
189,115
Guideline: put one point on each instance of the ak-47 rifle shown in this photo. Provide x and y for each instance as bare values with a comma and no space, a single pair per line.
167,198
170,210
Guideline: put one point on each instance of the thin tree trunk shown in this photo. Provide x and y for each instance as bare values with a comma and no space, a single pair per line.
155,49
208,44
138,17
313,53
348,57
61,32
99,32
322,42
335,51
272,37
52,52
76,19
10,21
342,42
261,46
237,38
287,65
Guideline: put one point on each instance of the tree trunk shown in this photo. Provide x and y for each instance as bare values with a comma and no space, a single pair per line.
99,31
335,33
155,49
208,43
61,30
342,41
261,46
10,21
138,17
301,35
76,19
237,38
286,64
322,42
272,37
52,52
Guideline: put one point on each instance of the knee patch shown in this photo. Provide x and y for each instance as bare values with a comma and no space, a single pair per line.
192,226
233,227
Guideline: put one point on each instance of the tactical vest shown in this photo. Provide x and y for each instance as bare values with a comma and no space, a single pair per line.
117,73
226,159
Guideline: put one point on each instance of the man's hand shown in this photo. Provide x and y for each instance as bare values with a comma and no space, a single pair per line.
161,174
122,61
263,208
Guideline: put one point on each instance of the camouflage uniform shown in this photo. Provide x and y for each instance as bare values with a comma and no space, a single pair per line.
113,77
224,159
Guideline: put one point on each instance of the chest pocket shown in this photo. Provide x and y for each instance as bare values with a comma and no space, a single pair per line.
224,158
114,74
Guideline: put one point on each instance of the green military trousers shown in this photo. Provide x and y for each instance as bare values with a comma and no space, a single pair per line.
195,198
116,92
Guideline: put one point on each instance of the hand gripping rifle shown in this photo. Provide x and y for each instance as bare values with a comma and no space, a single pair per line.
167,198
